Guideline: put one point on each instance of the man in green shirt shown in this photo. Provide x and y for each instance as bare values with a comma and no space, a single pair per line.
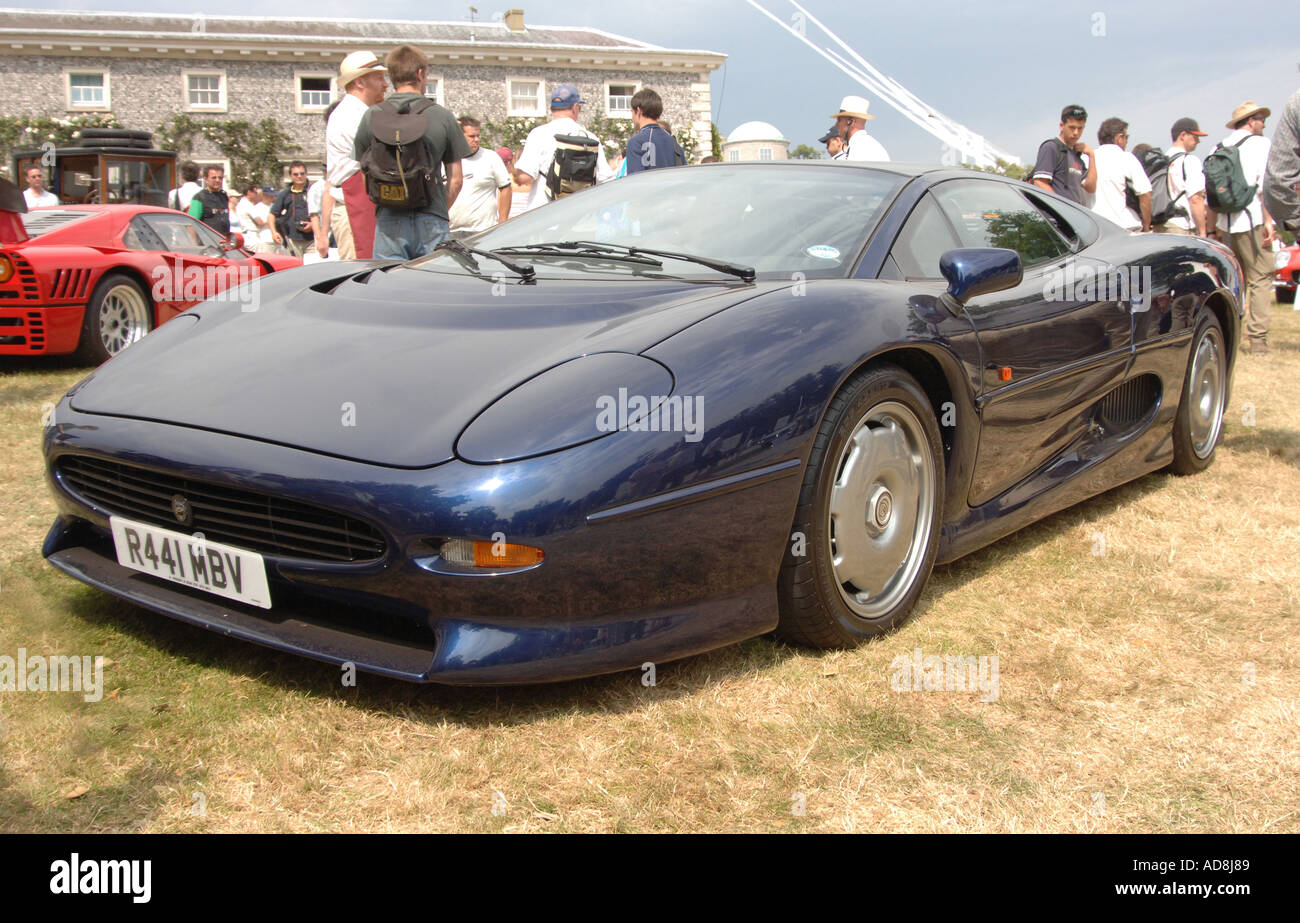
402,233
211,204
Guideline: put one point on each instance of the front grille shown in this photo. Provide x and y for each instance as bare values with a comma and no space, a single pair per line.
26,277
36,331
254,521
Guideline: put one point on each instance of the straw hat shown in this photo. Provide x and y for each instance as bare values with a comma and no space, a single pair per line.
358,64
854,106
1247,109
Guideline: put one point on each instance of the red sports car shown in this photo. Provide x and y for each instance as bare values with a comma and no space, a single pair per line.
93,279
1286,272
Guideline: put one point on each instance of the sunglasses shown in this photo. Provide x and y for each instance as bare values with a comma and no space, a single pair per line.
1075,112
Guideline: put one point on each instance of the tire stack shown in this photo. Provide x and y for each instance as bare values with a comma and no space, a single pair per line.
116,137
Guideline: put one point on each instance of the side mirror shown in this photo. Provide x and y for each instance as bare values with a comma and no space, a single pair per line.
234,241
980,271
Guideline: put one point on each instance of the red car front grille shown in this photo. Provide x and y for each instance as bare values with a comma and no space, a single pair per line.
25,276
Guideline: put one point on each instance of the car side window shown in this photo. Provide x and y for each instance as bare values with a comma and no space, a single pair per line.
1073,223
990,213
139,236
182,234
926,236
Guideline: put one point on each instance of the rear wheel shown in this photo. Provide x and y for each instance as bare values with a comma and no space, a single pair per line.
1199,423
869,514
118,314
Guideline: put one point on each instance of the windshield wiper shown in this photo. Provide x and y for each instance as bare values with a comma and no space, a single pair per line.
746,273
466,256
570,249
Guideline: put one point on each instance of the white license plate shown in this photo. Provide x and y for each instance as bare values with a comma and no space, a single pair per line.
193,561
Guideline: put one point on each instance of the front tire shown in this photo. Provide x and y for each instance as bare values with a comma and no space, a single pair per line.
869,512
118,314
1199,423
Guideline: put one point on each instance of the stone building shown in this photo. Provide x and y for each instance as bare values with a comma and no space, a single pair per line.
143,68
755,141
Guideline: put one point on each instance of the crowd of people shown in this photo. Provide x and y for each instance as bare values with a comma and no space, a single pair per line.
386,194
1238,195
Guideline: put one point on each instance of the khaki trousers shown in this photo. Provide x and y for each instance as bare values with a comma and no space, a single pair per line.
1257,263
342,232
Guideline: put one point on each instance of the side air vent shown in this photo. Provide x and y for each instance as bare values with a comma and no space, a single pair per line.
1128,405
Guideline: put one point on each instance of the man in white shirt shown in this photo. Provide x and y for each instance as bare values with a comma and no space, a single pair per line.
1186,180
180,197
851,121
362,77
1116,168
484,199
36,195
1250,232
539,147
254,216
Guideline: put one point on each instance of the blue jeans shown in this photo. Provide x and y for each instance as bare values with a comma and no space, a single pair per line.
404,235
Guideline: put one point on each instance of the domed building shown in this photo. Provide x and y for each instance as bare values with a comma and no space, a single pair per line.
755,141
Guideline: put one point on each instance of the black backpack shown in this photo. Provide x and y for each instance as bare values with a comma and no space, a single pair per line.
399,165
1156,166
573,167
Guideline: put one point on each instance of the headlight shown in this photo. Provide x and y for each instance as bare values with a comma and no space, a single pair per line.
1281,259
567,405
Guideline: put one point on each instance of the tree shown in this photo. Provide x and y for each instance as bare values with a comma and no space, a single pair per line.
717,141
1003,168
805,152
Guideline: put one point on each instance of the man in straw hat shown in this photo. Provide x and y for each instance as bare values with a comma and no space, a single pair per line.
1250,231
851,121
362,77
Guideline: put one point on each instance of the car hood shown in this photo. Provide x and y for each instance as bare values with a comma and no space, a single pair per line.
387,364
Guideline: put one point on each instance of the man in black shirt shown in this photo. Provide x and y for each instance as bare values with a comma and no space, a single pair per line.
1060,166
290,214
211,204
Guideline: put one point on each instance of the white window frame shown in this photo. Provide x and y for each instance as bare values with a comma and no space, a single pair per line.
609,111
440,96
766,153
733,155
219,105
70,72
541,97
331,76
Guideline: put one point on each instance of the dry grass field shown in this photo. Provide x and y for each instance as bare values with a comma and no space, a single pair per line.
1148,659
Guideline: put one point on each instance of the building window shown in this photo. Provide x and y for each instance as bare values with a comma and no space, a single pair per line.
433,88
314,91
733,156
88,89
526,97
205,90
618,99
764,153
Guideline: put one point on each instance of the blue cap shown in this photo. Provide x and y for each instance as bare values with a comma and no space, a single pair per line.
268,190
564,96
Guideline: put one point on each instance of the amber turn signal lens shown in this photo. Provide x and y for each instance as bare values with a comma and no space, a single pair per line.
6,269
490,554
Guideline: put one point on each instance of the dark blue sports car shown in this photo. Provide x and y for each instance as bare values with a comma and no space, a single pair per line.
656,417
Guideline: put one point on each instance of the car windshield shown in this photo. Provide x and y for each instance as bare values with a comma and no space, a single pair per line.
777,219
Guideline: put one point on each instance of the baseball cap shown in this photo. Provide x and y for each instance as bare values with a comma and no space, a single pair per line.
564,96
833,133
1185,125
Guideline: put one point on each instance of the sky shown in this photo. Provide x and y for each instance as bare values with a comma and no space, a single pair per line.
1003,68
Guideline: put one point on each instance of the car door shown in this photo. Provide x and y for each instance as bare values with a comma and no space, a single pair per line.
196,262
1050,346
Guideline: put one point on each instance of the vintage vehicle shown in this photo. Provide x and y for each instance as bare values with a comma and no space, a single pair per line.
106,166
1286,272
658,416
93,279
